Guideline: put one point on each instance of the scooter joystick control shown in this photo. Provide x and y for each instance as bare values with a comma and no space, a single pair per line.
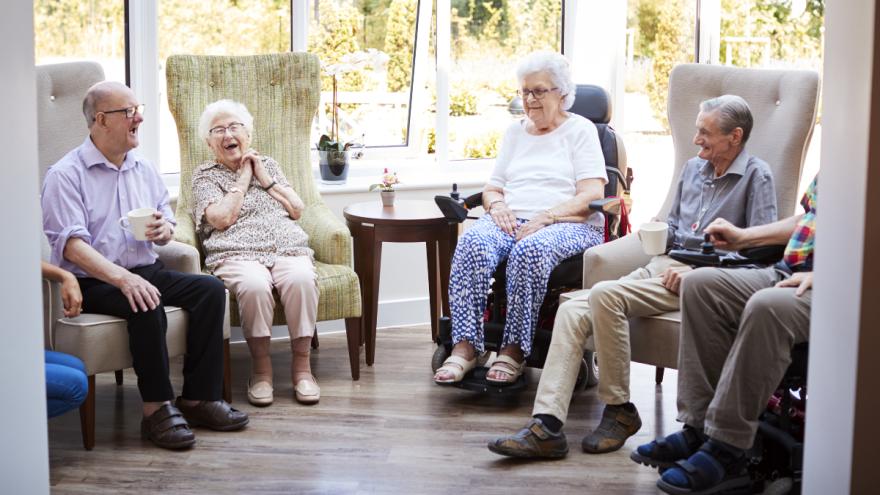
454,193
707,247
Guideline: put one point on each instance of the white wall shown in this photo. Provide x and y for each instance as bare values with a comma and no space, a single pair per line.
834,334
24,461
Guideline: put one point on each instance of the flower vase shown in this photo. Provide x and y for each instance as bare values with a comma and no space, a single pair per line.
387,198
334,166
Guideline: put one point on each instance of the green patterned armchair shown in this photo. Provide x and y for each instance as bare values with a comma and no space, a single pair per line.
282,92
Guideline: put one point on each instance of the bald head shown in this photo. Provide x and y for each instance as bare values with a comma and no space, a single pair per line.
99,94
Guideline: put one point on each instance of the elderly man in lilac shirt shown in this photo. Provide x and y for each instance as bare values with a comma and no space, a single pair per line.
84,196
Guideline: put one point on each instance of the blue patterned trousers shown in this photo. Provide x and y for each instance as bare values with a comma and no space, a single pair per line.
529,264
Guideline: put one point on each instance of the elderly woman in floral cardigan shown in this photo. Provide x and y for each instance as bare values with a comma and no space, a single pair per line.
246,216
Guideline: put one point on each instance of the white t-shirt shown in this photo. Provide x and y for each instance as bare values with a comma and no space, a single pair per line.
539,172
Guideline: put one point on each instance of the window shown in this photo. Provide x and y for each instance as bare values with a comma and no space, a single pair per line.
778,35
221,27
488,40
374,93
660,34
71,30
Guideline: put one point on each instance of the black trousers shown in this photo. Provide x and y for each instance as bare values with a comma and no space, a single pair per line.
203,297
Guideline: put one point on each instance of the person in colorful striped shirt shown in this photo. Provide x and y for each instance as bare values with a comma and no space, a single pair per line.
737,330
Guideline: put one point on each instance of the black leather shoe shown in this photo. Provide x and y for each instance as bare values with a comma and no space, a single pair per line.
216,415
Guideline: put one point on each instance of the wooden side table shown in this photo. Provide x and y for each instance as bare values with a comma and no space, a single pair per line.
371,224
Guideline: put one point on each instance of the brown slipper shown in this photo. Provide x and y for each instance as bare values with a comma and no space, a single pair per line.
168,429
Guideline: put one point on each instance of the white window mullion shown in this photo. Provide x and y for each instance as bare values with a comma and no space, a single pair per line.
709,34
444,40
143,52
420,100
299,25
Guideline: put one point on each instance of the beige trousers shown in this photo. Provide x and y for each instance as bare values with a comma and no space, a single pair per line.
252,283
737,332
603,312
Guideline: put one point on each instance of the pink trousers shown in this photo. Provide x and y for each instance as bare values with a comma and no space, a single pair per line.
252,283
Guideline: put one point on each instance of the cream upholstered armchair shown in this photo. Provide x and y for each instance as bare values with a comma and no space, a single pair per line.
784,104
100,341
282,92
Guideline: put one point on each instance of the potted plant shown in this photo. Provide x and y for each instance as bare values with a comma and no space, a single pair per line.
386,187
334,155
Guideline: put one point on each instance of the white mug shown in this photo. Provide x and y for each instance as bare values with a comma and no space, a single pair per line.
137,222
653,237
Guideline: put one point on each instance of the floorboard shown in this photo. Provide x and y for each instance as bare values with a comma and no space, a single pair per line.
393,431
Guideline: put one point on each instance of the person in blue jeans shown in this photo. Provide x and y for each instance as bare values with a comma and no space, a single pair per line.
66,381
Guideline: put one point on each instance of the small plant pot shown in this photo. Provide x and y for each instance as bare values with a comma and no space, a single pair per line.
387,198
334,166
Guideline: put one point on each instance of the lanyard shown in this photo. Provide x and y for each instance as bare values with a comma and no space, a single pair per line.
702,211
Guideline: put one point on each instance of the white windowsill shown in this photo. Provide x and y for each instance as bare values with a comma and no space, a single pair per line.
414,174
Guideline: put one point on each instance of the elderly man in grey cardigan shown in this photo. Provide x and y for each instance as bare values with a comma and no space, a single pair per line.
722,181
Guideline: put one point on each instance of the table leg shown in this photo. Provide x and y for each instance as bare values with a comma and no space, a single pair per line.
373,301
433,302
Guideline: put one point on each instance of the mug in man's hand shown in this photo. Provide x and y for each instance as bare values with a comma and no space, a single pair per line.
137,221
653,237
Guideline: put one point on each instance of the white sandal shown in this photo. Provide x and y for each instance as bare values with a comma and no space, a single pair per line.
508,366
457,366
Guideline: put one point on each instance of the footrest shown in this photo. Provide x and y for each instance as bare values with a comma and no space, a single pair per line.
475,381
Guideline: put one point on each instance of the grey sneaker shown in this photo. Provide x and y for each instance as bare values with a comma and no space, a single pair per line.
534,441
616,426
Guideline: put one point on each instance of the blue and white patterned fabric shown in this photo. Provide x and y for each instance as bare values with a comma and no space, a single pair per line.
530,262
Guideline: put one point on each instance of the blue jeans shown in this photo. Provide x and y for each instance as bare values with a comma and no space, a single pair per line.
66,383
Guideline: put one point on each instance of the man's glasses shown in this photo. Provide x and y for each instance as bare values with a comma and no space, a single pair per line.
233,128
538,93
129,112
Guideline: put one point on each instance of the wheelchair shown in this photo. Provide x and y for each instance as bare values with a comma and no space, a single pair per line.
776,458
591,102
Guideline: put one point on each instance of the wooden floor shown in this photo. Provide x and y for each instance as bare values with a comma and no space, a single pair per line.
393,431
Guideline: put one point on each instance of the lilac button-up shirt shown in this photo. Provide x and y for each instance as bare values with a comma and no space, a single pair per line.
84,196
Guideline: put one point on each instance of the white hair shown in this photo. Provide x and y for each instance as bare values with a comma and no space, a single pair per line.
227,107
554,64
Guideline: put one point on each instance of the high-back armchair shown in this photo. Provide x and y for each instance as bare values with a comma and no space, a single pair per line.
282,92
100,341
784,105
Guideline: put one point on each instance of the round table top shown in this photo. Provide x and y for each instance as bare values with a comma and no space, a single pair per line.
404,212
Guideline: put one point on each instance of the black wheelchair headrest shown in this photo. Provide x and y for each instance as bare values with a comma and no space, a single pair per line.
592,102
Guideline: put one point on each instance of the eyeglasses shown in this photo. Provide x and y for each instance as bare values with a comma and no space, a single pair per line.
233,128
538,93
129,112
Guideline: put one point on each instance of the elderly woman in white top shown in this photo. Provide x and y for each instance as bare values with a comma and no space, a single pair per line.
245,213
549,168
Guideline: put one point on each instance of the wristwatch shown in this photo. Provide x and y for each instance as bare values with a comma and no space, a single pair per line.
234,189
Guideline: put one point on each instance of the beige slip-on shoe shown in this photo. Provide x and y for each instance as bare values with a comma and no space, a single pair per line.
260,393
307,391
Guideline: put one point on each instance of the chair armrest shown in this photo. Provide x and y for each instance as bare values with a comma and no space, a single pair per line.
328,235
610,205
185,231
613,260
53,309
179,257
